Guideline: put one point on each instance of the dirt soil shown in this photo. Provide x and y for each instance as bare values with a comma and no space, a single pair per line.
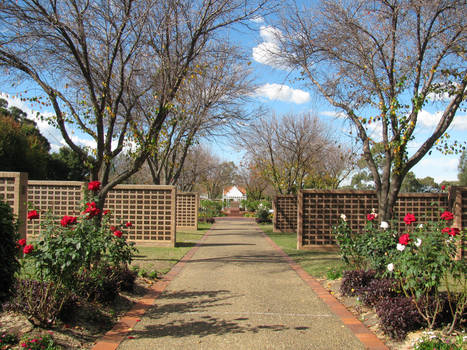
84,324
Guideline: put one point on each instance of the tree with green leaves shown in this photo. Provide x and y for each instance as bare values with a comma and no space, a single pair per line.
22,146
66,165
380,63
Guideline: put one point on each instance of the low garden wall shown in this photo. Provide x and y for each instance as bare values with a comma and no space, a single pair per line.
319,210
150,208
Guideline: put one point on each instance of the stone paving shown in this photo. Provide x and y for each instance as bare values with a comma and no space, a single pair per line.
238,290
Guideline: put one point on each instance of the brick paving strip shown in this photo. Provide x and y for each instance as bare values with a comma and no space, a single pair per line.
254,302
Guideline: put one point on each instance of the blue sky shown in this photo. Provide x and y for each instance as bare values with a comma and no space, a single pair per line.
278,91
280,94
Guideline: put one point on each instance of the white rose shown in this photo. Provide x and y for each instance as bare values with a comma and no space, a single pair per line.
390,267
419,242
400,247
420,226
384,225
343,217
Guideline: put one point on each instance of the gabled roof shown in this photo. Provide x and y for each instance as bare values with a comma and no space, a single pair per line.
230,188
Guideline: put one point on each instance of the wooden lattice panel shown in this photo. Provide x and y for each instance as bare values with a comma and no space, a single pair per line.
285,213
7,189
187,211
13,190
59,197
319,212
425,207
151,210
459,204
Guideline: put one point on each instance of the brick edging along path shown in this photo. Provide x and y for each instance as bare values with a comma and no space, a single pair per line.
367,337
121,330
112,339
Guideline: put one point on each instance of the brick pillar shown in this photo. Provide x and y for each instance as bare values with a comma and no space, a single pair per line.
455,203
14,191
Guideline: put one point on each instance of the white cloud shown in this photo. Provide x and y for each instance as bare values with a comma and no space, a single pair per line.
334,114
258,19
438,167
430,120
283,93
268,51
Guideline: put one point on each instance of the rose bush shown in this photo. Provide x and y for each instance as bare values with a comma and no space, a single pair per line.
427,265
369,249
84,243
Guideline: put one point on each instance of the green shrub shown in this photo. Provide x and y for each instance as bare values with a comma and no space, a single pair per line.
39,342
8,250
7,339
210,209
262,215
433,342
252,205
369,249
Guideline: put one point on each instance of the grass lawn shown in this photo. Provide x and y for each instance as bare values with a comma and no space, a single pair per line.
159,260
317,263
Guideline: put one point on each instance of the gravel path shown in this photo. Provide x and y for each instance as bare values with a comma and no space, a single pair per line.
237,292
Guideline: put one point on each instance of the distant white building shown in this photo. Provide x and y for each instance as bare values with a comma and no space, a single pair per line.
233,194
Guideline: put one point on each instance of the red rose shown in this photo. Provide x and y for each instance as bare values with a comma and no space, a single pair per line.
92,210
118,233
21,242
106,212
33,214
404,239
409,218
128,224
370,217
112,228
447,215
452,231
94,186
28,249
68,220
443,187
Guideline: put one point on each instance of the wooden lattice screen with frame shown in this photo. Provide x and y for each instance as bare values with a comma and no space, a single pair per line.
285,213
187,210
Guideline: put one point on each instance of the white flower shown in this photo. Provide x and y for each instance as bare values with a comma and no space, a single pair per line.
384,225
400,247
419,242
420,226
343,217
390,267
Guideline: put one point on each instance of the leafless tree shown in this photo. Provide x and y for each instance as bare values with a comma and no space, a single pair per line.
288,150
198,162
380,62
257,187
96,60
209,102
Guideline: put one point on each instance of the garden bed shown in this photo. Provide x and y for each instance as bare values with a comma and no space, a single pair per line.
327,267
86,322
